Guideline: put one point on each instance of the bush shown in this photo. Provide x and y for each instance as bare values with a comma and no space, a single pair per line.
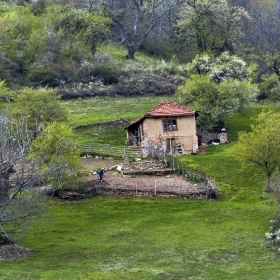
43,77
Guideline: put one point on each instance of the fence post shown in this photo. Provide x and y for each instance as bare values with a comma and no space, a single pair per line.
91,147
155,187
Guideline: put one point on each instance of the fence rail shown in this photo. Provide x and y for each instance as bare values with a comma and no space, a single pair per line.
109,150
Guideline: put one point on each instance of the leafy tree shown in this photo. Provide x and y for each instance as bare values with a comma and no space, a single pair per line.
56,154
212,25
39,106
263,32
270,87
260,147
221,68
134,20
218,87
49,45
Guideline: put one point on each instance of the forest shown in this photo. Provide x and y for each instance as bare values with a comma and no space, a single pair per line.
59,43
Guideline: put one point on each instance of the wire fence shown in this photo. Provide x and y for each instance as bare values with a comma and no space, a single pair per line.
194,175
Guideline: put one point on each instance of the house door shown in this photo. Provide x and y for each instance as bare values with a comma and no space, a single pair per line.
170,149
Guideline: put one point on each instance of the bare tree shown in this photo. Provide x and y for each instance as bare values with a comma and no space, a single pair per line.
18,197
133,20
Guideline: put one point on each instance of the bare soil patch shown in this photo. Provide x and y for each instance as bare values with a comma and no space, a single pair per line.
161,179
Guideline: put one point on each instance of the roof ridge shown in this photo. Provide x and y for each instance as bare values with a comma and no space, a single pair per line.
166,109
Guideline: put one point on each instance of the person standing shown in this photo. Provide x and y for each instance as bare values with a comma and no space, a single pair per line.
101,174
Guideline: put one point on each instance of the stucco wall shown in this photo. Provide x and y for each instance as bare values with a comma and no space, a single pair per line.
185,135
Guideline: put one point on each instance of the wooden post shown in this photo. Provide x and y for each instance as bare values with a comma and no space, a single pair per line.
155,187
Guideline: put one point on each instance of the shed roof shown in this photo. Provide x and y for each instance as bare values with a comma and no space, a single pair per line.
165,109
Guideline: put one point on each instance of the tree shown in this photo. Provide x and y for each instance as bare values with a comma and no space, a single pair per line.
260,148
212,25
216,88
39,106
27,163
56,154
263,30
133,20
19,199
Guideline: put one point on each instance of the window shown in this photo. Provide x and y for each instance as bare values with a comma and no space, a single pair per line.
169,125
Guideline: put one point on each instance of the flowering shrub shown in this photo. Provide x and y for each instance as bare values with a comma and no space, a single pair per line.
273,236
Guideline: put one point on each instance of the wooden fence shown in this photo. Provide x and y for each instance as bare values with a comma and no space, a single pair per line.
173,162
110,151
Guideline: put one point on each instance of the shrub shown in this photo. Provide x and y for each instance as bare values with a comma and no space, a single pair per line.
43,77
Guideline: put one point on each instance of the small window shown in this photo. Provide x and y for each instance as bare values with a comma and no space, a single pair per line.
169,125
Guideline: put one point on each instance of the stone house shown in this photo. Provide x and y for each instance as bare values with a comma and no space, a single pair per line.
167,129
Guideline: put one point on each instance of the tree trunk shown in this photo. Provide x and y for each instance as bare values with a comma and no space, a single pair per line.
4,190
268,184
130,52
5,184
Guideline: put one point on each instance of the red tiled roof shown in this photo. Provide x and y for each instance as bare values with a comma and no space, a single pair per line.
166,109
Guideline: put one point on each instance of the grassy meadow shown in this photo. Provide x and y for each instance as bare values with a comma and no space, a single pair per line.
154,238
85,114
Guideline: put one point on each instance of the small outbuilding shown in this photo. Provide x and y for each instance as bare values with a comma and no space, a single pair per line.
167,129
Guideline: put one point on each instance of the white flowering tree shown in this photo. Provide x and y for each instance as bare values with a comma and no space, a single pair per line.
217,87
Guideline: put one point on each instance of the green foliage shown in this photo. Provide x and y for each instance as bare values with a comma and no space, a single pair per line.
270,86
221,68
39,106
260,147
217,87
53,37
215,101
212,25
6,95
56,154
42,76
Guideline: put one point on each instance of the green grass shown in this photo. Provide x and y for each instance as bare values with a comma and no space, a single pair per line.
151,238
88,111
144,238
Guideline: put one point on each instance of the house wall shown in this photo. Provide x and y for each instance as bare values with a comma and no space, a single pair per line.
152,128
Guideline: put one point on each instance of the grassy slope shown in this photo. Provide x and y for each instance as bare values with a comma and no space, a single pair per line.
145,238
109,238
97,110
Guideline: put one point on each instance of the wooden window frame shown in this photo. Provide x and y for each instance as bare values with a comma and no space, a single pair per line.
169,125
